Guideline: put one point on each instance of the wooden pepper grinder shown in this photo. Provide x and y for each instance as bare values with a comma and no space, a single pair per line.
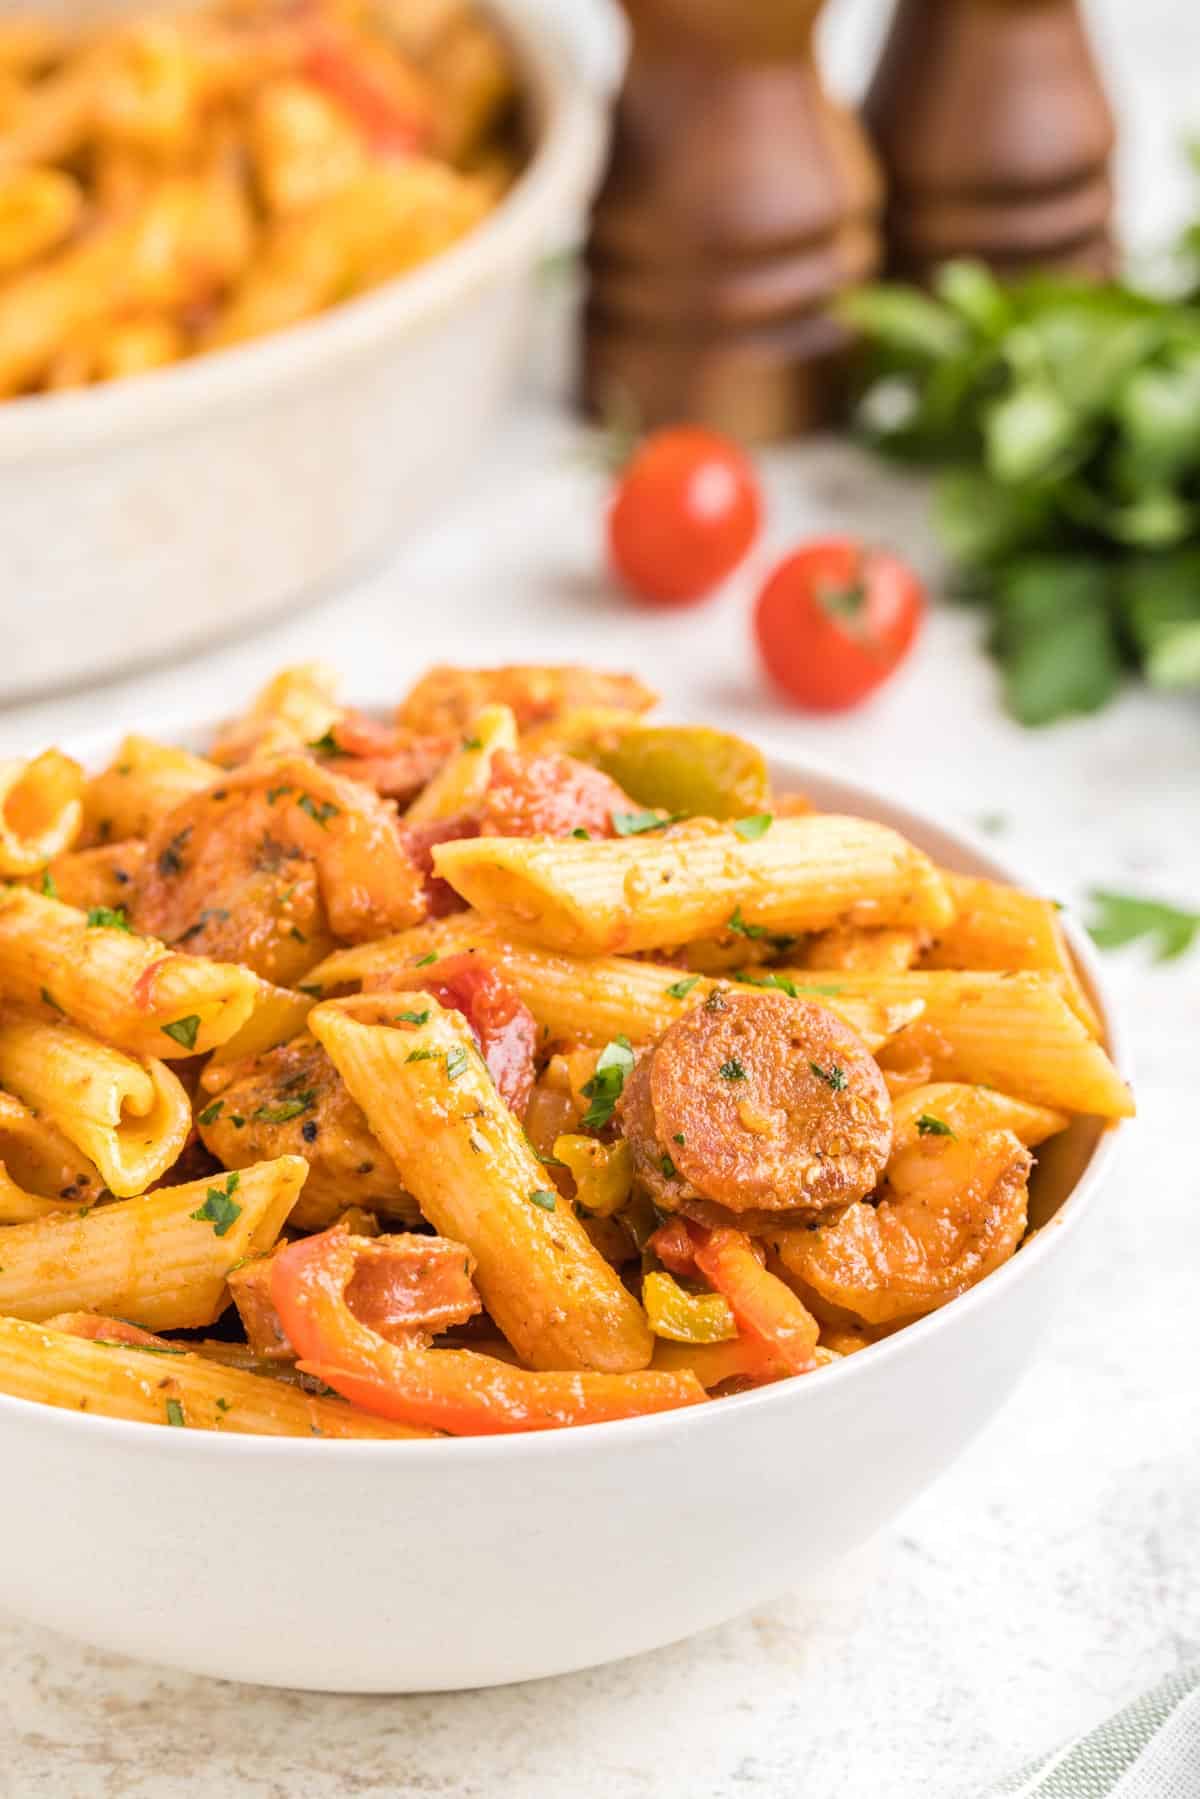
739,201
995,135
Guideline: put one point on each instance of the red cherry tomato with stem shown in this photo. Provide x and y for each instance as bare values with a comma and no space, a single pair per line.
834,620
687,508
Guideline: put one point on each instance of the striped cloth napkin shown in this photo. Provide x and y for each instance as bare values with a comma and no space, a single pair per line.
1151,1750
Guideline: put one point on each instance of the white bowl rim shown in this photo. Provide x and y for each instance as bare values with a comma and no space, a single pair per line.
780,1395
570,111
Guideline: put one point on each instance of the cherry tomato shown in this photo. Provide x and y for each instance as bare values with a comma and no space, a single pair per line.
834,619
686,510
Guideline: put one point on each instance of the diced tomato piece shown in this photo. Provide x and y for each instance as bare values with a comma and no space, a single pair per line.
419,840
502,1023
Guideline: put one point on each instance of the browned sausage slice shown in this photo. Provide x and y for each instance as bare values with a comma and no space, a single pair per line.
766,1102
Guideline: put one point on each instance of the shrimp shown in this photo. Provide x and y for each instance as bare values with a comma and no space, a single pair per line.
949,1212
273,866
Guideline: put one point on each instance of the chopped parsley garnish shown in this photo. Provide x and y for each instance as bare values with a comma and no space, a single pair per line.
633,824
737,924
222,1405
928,1126
832,1076
748,829
183,1030
273,793
314,989
614,1065
48,999
211,1113
580,832
778,981
679,1137
1122,918
667,1166
546,1161
288,1108
109,918
236,1120
325,746
298,934
472,743
421,1055
456,1062
424,961
544,1198
175,1412
49,886
681,989
220,1209
320,811
732,1070
413,1017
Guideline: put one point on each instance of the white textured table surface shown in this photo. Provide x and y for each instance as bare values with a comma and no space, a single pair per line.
1049,1574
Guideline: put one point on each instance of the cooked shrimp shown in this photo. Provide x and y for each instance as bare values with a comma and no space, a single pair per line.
273,866
446,699
950,1211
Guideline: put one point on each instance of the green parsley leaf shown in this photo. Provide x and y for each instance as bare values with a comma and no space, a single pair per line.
1054,637
183,1030
737,924
326,746
288,1108
1122,918
732,1070
413,1017
175,1412
472,743
635,824
109,918
679,1137
49,887
928,1126
544,1198
220,1209
779,982
456,1062
211,1113
667,1166
421,1055
614,1065
48,999
580,832
222,1405
314,989
424,961
749,829
320,811
832,1076
681,989
274,793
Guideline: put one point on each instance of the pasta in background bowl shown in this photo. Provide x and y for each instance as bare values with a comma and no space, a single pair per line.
793,1112
336,404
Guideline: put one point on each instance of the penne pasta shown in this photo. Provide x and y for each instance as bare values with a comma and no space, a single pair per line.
115,1380
952,1108
462,780
40,1171
127,989
131,1118
41,810
144,781
295,708
431,1102
1002,928
592,1001
1016,1032
160,1261
647,892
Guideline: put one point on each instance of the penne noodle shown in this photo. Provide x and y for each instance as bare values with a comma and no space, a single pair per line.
646,892
1016,1032
592,1001
462,780
429,1099
963,1110
280,1013
131,1118
152,1386
127,989
144,781
41,810
160,1261
1002,928
40,1171
293,711
878,951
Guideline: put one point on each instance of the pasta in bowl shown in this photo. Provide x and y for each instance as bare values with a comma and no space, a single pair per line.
459,1128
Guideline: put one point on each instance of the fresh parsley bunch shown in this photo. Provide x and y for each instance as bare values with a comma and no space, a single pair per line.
1065,419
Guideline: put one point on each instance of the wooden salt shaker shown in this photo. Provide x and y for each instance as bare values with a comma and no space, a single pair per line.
995,136
740,200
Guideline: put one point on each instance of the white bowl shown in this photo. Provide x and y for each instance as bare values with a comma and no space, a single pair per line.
160,513
402,1567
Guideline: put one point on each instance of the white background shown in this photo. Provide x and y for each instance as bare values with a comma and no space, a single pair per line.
1053,1571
